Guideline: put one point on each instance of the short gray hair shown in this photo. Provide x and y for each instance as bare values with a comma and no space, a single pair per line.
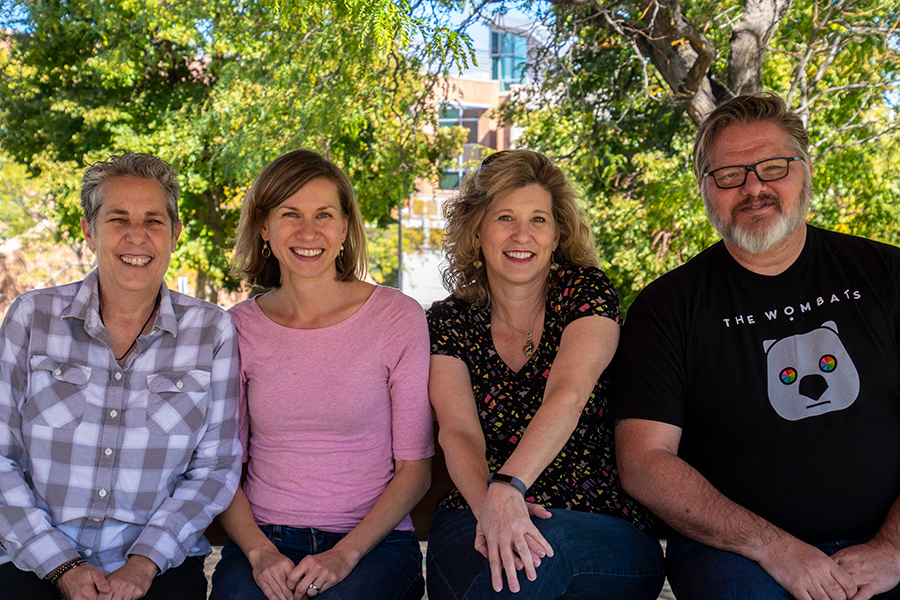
128,164
765,107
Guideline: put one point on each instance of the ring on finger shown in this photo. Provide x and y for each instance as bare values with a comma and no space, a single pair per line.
313,586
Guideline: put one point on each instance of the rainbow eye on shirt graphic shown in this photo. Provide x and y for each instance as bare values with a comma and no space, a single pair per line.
827,363
788,376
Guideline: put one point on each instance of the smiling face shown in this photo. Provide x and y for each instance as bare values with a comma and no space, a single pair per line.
305,232
518,236
133,236
757,215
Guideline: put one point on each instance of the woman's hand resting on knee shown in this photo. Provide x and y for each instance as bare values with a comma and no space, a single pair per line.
506,536
318,572
270,572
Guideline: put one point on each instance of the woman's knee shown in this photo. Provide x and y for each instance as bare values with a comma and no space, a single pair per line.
233,577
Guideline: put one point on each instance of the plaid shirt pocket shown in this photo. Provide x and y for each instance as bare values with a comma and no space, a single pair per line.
178,401
57,393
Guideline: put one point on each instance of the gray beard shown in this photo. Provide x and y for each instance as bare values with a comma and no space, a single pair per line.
757,243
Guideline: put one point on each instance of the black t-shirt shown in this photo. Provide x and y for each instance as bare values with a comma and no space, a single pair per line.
583,475
786,387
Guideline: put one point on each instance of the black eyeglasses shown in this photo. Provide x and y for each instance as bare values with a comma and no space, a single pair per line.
771,169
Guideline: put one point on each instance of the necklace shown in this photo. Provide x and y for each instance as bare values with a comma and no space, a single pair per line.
528,348
134,343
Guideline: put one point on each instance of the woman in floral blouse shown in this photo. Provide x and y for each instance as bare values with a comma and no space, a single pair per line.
518,383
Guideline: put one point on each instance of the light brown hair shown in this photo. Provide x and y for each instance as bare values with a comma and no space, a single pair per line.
280,180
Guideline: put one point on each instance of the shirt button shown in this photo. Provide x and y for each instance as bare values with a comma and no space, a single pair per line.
95,520
88,552
57,372
118,376
102,493
113,414
179,385
108,451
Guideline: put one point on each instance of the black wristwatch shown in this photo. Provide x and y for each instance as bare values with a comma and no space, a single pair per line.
507,479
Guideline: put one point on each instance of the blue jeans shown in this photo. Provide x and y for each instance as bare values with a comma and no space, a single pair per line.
594,557
697,571
392,570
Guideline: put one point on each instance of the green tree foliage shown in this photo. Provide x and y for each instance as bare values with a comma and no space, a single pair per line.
623,84
17,214
218,88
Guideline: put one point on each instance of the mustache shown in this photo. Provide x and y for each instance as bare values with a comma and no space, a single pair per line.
764,198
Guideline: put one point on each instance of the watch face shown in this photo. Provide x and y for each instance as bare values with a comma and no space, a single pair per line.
508,479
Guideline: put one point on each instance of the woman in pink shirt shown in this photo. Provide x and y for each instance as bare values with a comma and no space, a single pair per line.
335,420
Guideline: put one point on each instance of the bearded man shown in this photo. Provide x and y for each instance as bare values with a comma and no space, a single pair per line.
757,387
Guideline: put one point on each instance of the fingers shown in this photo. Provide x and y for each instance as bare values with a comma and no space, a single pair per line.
481,545
100,582
315,574
540,540
275,589
848,588
527,559
496,565
270,571
536,510
310,591
865,592
537,551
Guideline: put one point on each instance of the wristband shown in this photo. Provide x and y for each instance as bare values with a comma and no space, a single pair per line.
58,572
507,479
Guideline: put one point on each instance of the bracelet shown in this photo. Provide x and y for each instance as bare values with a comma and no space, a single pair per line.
67,566
507,479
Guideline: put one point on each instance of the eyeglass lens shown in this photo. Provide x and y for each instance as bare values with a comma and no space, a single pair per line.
767,170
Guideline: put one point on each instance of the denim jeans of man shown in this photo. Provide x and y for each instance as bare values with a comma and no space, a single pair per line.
596,557
699,572
392,570
187,581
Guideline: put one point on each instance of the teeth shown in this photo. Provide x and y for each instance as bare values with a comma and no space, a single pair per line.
520,254
137,262
304,252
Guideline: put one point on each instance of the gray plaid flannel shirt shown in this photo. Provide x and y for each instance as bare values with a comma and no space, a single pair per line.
103,461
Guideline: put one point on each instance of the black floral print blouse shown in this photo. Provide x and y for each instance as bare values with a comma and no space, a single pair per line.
583,475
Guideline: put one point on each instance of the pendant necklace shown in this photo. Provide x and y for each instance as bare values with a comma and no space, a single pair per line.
528,348
153,312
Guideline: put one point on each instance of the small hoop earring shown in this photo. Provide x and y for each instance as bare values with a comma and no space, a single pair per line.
554,266
266,253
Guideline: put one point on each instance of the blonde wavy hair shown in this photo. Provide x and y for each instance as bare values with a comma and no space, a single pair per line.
499,175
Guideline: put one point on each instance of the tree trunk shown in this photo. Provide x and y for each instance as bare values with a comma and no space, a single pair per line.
212,219
749,42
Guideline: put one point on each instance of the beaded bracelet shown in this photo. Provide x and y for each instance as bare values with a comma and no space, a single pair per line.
67,566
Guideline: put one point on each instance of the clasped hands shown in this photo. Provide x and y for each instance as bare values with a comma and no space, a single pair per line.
857,572
129,582
279,579
507,537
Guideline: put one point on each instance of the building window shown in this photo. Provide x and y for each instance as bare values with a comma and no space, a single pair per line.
455,115
452,116
509,54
